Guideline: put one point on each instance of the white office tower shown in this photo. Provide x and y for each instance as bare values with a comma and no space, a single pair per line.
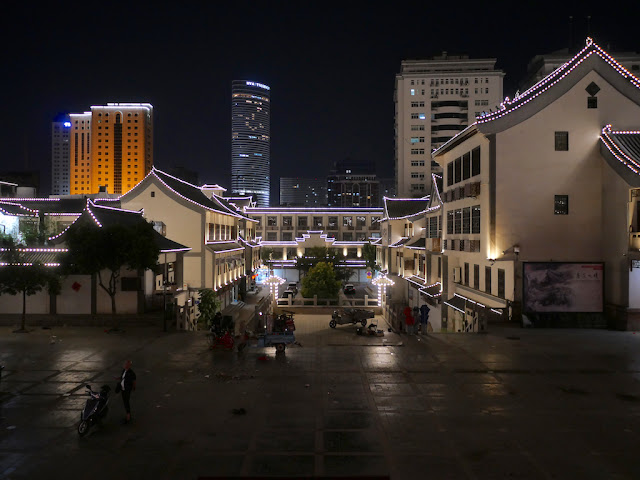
250,140
60,130
435,99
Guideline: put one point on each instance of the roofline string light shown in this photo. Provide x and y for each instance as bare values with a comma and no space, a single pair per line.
556,76
618,153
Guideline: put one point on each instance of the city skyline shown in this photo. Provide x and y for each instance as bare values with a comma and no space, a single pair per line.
333,71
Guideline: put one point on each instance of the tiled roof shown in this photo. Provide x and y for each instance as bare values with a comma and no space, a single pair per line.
396,208
417,243
103,216
195,195
591,48
400,242
53,206
28,256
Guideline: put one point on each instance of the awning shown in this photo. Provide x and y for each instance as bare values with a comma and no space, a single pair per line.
418,243
433,291
461,303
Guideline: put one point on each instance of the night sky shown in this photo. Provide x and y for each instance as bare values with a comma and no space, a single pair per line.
331,68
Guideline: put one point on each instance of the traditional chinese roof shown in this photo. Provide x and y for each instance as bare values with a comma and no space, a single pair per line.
400,243
621,150
49,257
240,202
103,216
221,247
399,208
524,105
189,192
15,209
52,206
418,243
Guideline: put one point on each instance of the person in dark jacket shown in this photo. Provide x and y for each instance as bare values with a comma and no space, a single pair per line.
128,385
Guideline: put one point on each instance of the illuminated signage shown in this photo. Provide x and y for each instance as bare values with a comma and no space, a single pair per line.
256,84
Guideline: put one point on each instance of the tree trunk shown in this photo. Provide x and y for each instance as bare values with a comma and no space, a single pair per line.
24,310
113,311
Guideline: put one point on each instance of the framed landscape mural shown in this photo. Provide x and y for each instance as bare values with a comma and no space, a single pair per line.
563,287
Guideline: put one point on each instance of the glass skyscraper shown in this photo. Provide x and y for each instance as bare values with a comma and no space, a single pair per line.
250,140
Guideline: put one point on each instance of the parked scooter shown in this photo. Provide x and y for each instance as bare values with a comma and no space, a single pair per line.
95,409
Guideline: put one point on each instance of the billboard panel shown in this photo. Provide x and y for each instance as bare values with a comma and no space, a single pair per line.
563,287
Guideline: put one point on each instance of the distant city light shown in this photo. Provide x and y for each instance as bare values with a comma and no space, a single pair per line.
67,124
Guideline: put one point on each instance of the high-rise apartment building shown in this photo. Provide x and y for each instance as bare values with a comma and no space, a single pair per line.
303,192
435,99
250,140
60,130
111,147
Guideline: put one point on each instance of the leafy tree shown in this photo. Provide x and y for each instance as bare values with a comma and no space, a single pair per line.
333,256
369,255
18,278
208,306
92,250
321,281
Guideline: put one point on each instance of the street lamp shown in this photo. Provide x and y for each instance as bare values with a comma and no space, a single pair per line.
382,282
273,282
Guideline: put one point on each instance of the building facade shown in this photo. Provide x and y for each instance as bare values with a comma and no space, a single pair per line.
353,184
540,203
434,100
60,154
251,140
303,192
111,148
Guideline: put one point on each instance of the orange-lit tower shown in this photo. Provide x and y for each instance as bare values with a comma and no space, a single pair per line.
120,147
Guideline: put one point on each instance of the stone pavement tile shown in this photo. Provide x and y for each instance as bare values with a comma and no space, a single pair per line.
438,389
346,401
348,420
396,377
467,378
73,402
415,466
290,418
30,401
283,465
489,465
358,441
30,375
282,441
340,465
398,403
28,438
74,376
14,387
392,389
55,418
188,465
52,388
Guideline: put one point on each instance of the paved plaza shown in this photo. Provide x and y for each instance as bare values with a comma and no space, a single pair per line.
511,404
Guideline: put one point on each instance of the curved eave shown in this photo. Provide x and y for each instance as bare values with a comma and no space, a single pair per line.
626,165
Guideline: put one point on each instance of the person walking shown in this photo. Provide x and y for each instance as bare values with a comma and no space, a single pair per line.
424,319
409,320
126,386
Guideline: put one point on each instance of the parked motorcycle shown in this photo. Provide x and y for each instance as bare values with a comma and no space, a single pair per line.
95,409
